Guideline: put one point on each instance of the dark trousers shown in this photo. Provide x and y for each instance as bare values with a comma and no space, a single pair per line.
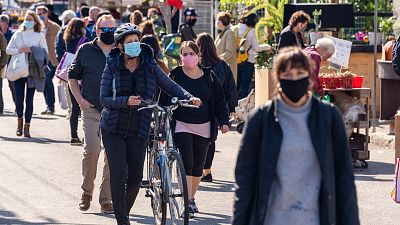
193,149
210,156
245,75
20,86
75,112
126,160
49,95
12,89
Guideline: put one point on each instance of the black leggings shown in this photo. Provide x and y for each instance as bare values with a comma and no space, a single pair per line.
125,159
193,149
75,112
210,156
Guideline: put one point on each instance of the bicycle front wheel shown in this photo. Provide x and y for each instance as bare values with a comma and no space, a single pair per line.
158,205
178,196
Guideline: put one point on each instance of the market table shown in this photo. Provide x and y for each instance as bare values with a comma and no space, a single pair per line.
358,140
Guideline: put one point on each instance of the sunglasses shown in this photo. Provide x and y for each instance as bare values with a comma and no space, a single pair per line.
107,29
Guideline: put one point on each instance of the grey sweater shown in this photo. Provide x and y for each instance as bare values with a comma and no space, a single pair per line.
296,186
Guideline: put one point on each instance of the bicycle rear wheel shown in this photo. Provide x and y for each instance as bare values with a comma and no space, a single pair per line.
158,205
178,197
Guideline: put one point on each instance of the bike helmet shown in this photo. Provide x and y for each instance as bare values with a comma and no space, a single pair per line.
126,29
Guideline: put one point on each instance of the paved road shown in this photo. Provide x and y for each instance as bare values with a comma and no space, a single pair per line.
40,179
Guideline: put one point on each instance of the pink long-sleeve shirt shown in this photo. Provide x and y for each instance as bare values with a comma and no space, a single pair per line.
316,58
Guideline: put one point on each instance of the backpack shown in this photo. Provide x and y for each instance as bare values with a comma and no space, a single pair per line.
242,45
396,56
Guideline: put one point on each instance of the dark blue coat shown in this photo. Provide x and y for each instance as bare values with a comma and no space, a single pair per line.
117,108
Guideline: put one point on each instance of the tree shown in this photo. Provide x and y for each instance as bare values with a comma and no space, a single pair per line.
165,9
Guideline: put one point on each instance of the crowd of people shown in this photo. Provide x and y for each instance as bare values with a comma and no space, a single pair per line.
118,64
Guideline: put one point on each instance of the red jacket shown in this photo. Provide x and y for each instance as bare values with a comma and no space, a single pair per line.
316,58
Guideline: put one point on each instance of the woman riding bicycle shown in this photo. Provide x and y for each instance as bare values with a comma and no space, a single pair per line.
195,129
130,76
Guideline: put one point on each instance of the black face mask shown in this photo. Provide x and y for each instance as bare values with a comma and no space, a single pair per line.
107,38
192,22
294,89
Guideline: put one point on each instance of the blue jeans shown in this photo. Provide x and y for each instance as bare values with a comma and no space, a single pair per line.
20,85
245,75
49,95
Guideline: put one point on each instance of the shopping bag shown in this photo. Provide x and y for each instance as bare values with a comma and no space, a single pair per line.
396,183
66,61
63,66
62,98
18,67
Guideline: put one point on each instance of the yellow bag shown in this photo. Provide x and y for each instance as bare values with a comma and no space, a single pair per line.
242,46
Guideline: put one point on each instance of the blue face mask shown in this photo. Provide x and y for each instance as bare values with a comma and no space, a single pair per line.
132,49
29,25
42,18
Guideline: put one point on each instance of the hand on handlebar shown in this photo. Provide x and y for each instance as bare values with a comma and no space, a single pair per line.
134,100
196,101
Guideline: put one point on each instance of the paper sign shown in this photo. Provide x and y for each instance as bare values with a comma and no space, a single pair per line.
132,2
342,54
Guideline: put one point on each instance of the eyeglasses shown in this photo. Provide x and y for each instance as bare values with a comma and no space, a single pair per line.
189,53
108,29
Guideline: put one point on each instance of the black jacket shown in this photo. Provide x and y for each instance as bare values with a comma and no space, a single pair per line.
88,66
257,161
288,38
225,77
218,108
116,110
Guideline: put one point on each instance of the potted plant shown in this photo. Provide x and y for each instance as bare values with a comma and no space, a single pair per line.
386,25
315,34
264,77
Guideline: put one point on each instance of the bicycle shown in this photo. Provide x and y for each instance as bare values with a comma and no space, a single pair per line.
166,178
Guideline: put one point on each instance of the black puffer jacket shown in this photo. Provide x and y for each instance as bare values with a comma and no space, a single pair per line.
225,77
117,117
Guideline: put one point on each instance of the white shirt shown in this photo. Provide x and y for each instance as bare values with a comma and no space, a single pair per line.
252,40
25,39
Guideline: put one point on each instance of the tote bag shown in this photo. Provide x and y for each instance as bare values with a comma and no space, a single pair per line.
66,61
396,183
18,66
62,96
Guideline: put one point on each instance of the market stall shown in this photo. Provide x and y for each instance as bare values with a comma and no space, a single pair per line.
346,91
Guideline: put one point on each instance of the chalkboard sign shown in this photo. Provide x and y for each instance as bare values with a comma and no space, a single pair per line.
343,50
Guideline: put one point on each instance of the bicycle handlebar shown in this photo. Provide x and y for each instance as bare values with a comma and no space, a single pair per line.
150,104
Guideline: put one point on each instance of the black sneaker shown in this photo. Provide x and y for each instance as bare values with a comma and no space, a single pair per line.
47,112
207,178
193,206
191,213
76,142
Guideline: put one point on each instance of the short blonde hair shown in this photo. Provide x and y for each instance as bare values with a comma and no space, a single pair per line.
103,18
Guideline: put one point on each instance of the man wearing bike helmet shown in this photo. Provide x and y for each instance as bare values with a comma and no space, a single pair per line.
130,76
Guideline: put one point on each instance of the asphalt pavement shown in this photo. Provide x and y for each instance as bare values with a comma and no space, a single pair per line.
40,178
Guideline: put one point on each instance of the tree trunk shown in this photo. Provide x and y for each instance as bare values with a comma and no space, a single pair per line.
167,14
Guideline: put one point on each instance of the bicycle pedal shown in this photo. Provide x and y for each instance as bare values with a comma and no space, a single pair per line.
147,195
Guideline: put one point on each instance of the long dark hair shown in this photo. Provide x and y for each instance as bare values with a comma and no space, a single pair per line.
74,30
153,42
208,50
